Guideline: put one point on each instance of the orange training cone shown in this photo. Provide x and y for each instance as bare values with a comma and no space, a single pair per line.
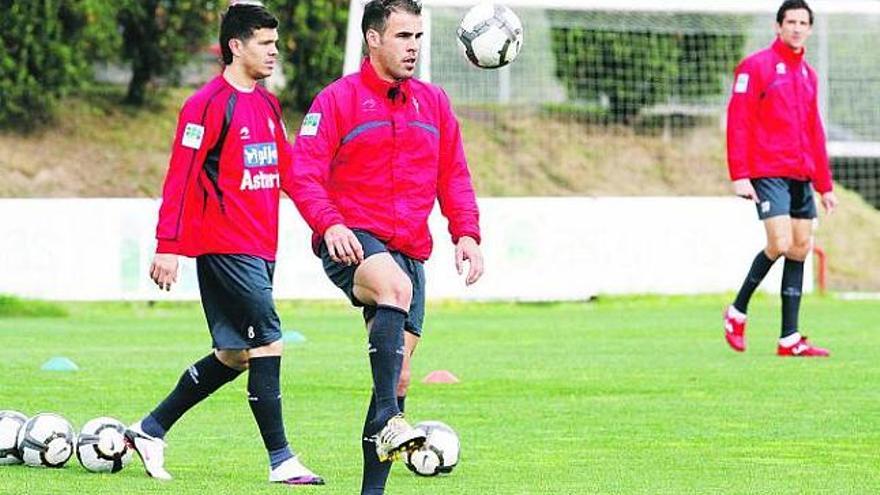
440,376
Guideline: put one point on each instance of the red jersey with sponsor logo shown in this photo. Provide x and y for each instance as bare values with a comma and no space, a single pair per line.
229,160
773,123
376,156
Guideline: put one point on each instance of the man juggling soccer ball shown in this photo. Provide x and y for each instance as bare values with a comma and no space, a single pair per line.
375,152
776,155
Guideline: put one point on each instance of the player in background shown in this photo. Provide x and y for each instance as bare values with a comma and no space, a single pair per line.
775,150
229,161
375,151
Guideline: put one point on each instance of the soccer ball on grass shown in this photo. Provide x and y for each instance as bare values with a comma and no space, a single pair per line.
101,446
439,454
46,440
10,424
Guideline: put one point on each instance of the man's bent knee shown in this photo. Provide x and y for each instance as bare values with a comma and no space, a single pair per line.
396,292
399,293
798,252
778,246
379,280
235,359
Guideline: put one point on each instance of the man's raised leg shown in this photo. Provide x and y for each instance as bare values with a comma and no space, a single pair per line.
380,282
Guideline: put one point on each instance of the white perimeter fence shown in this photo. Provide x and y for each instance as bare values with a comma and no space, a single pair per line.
536,249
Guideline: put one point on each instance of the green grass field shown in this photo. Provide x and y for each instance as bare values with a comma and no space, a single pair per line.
628,396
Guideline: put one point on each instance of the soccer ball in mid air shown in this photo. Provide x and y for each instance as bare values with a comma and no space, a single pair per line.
10,424
491,35
101,446
440,452
46,440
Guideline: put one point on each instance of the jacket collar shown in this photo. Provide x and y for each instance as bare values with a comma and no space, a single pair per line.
397,92
788,55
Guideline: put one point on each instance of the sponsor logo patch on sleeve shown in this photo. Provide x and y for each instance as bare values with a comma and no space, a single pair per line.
310,124
192,136
742,83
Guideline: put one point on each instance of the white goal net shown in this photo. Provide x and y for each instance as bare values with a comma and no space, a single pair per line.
642,86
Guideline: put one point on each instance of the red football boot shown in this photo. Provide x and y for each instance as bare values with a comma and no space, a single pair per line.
734,332
802,349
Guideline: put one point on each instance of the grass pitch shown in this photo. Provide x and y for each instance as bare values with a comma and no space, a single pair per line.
629,396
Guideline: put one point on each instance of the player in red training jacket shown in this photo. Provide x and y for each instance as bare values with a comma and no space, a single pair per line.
229,161
375,152
775,150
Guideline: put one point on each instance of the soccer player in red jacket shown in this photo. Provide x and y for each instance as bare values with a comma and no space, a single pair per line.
374,153
775,150
229,160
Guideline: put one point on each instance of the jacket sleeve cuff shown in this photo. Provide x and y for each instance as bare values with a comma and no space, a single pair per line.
738,175
166,246
328,221
473,235
824,188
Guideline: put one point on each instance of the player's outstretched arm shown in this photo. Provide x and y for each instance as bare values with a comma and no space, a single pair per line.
163,270
468,249
742,111
455,191
198,129
313,152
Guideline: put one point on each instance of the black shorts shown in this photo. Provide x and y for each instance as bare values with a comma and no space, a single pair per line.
236,292
779,196
342,276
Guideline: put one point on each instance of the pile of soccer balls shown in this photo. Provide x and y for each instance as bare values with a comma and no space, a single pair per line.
49,440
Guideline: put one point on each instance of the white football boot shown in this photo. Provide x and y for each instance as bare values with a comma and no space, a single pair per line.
151,450
292,472
396,437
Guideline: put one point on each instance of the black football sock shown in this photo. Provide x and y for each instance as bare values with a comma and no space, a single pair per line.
264,397
760,266
792,285
196,383
386,358
375,473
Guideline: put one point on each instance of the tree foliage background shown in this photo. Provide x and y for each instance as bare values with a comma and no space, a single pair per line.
46,47
160,36
312,44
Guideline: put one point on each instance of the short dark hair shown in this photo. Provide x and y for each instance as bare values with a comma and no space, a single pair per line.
240,21
376,13
792,5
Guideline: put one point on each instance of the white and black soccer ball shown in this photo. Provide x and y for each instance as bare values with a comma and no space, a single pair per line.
46,440
439,454
101,446
10,424
491,35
